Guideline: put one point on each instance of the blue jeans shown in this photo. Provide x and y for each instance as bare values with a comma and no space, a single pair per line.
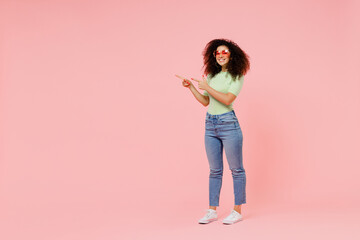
223,131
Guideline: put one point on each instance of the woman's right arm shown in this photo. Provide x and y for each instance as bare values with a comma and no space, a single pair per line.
204,100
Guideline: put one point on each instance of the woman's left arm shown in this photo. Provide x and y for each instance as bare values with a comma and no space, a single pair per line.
225,98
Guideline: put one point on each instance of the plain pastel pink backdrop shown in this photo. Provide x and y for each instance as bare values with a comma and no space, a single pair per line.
99,140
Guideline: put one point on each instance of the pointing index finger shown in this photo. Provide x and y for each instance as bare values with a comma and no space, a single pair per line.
180,77
195,80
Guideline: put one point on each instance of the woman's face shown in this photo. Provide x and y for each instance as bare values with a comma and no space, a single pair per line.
222,55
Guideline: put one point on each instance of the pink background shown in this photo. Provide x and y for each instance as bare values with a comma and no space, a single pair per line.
99,140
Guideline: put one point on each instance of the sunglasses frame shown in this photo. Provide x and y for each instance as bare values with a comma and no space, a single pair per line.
227,52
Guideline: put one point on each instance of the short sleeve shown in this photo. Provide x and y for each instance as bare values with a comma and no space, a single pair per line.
236,86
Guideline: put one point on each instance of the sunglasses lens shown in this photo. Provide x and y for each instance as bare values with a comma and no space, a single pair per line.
223,52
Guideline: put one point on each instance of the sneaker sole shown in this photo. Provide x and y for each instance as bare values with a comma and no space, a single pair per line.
212,220
229,223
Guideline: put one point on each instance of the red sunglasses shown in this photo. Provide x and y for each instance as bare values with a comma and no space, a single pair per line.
223,52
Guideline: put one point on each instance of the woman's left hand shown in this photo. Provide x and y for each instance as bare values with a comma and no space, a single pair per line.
202,84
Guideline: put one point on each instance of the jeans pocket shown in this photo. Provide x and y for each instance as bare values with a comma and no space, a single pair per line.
228,119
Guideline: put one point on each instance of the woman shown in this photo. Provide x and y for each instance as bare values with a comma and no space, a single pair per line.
225,66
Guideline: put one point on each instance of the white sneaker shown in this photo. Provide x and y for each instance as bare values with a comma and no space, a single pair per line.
210,216
232,218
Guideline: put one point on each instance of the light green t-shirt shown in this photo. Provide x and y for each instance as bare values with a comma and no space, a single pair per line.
223,82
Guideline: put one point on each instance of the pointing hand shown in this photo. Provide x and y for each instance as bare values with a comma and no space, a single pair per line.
202,84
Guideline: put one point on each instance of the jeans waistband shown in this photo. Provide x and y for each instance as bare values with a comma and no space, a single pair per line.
211,116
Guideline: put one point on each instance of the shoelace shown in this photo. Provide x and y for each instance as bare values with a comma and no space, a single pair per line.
208,214
234,214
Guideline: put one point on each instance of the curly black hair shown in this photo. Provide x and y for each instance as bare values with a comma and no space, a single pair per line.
238,64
